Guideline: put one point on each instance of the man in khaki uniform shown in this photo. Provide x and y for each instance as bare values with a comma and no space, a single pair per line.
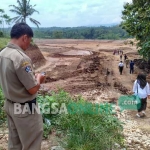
20,86
127,62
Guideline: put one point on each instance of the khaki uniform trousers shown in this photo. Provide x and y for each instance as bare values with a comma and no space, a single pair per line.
25,130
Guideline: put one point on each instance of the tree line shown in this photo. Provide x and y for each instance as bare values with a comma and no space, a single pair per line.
102,32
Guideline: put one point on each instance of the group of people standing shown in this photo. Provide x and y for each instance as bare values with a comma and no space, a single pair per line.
126,61
140,87
118,52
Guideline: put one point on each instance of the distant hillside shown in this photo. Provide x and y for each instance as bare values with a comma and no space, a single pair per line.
101,32
107,31
105,25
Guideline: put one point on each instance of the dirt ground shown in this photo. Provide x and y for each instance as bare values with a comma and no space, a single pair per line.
80,68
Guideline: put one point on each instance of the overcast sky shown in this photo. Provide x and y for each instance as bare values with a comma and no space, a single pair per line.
72,13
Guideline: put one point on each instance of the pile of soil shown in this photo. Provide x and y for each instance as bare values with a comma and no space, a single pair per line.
77,75
35,55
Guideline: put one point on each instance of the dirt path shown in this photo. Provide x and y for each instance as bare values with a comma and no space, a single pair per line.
127,79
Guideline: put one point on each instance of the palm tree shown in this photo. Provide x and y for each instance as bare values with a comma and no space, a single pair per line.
4,19
24,10
7,19
1,17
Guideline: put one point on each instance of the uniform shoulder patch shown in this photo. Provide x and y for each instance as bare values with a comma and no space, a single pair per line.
28,69
25,63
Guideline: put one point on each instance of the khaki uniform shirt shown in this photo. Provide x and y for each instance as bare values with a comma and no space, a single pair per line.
16,74
127,61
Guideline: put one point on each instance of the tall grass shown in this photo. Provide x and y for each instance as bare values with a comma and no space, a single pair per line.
87,126
2,113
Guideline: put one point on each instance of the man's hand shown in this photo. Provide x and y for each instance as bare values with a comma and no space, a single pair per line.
148,96
40,78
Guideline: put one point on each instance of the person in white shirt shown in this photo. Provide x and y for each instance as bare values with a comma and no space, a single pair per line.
120,67
142,89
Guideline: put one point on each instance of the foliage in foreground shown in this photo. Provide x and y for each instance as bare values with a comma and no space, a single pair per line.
2,113
86,126
3,42
136,21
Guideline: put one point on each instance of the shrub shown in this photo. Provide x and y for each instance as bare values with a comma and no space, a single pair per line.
49,118
87,126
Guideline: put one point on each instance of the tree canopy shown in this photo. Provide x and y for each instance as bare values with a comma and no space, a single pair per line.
4,19
102,32
136,21
24,10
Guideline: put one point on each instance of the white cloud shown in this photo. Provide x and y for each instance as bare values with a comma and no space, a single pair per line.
69,13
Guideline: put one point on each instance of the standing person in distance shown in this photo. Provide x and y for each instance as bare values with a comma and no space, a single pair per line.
121,65
142,89
20,87
131,67
118,52
125,57
121,57
127,62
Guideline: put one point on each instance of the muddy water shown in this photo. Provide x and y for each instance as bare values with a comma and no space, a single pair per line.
77,52
52,62
60,61
71,61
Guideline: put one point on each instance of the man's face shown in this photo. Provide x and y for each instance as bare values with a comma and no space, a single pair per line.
26,42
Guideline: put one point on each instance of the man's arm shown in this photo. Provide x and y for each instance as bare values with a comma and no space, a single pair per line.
40,78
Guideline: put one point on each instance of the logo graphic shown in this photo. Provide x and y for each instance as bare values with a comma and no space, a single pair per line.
129,102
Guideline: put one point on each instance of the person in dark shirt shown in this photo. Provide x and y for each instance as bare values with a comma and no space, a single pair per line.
131,67
120,57
125,57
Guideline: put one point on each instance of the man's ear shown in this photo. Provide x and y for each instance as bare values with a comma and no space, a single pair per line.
22,38
25,37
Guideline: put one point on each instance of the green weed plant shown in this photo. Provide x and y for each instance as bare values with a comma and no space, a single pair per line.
2,113
92,128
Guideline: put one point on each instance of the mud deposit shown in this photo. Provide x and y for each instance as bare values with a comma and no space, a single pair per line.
81,66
